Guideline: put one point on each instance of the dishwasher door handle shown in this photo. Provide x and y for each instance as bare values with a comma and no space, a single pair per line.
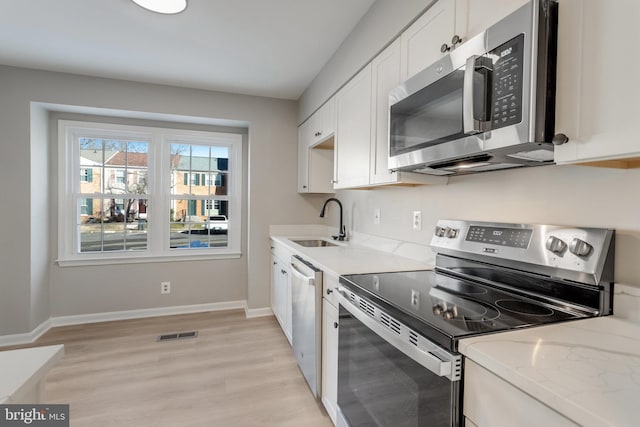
301,275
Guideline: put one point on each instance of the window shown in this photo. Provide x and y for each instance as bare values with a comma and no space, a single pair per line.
130,192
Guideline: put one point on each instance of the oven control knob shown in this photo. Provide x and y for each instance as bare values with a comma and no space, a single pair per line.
555,245
438,309
580,247
448,314
451,233
439,231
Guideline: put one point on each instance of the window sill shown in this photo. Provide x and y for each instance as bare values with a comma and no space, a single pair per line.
87,261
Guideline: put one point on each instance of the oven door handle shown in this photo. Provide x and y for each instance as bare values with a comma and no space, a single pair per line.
434,359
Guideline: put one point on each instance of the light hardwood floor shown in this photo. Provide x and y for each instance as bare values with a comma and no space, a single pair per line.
237,372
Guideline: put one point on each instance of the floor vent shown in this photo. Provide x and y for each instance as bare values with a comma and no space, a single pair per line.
177,336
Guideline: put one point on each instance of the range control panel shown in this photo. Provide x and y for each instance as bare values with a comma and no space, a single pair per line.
502,236
577,250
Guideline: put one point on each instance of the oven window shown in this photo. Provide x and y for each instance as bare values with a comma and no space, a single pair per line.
429,117
380,386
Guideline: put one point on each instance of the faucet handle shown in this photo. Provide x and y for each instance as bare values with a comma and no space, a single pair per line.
343,234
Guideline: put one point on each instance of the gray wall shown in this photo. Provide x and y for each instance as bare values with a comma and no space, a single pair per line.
564,195
381,24
33,287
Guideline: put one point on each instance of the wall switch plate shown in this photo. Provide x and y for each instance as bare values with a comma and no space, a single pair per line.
376,216
165,287
417,220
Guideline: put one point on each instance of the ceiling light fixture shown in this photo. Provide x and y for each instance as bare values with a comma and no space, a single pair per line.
168,7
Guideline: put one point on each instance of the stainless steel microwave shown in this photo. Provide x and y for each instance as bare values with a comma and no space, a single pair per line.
488,104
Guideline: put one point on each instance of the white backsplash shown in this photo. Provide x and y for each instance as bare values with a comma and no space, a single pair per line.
626,302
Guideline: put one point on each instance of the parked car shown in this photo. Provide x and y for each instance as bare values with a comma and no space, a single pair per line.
217,224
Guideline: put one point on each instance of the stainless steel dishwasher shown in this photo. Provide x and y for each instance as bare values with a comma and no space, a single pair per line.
306,289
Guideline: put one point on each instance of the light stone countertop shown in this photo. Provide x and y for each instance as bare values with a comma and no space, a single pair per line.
354,257
25,368
588,370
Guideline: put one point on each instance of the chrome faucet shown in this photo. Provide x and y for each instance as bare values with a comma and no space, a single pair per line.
342,234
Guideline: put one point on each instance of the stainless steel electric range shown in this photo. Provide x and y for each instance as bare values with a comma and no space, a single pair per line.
398,359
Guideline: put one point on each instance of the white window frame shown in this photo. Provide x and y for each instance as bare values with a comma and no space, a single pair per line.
159,193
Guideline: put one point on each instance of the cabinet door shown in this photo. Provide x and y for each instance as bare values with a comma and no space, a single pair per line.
304,130
327,120
475,16
492,402
278,301
330,358
596,89
353,132
281,294
315,151
421,42
385,76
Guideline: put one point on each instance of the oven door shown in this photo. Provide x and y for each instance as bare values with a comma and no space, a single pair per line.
384,380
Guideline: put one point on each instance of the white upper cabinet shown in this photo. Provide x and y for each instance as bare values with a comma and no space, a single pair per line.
315,151
327,117
304,130
386,75
423,41
353,132
596,100
357,117
322,124
475,16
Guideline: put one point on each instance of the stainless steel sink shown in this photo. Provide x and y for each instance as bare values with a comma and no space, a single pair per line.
314,243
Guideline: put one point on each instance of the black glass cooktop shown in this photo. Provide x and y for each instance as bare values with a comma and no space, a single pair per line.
445,308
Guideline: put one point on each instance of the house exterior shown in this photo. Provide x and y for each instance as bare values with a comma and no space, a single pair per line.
122,172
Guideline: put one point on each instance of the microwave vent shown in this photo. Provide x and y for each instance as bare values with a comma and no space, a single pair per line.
534,156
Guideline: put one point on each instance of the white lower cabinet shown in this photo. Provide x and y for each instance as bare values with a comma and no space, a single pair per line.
489,401
281,293
330,347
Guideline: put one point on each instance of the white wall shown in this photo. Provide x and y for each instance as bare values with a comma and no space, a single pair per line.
27,268
380,25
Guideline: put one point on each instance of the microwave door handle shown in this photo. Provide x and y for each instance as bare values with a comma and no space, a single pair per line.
470,125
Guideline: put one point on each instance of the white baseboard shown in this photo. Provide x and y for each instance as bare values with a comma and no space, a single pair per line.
30,337
257,312
26,338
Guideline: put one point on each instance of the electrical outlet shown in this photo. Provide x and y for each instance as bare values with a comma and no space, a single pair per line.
165,287
417,220
376,216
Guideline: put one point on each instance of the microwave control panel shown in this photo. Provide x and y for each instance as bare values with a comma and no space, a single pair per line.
506,98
